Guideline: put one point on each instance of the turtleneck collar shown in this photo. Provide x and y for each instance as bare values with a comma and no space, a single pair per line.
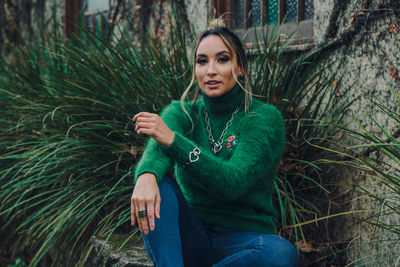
226,103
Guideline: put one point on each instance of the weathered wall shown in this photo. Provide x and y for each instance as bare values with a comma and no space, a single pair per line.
153,15
198,13
368,39
23,20
366,35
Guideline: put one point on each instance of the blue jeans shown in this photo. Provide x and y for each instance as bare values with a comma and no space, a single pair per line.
181,239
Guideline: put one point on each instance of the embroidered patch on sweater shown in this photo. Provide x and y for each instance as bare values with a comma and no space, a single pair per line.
232,141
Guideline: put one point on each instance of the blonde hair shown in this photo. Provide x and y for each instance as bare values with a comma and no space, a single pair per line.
235,47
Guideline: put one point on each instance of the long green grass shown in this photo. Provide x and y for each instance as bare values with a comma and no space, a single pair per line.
68,147
67,140
374,152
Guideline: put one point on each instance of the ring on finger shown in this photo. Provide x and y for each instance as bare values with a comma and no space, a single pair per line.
142,213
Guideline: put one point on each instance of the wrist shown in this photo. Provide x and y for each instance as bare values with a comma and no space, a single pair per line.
168,140
147,175
171,140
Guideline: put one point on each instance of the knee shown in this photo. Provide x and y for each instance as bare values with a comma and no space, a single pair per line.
288,256
278,252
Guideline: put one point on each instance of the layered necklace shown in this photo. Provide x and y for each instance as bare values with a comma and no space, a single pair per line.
217,146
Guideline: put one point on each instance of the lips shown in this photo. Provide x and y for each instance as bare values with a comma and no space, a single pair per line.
212,82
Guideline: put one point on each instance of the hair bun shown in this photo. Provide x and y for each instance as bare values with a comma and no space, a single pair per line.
216,23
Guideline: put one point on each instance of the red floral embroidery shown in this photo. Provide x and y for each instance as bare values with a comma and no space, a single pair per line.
228,145
231,138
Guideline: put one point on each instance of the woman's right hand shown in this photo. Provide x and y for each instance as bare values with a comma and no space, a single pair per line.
145,196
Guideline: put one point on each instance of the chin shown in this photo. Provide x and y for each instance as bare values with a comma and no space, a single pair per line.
213,94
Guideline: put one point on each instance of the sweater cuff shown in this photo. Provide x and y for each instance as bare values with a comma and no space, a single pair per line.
184,151
159,168
157,174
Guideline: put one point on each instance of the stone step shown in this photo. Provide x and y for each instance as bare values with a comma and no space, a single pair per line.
120,251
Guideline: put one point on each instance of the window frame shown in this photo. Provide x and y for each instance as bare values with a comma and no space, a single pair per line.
74,9
301,32
103,13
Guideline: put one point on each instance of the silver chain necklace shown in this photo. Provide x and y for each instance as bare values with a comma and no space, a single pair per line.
217,146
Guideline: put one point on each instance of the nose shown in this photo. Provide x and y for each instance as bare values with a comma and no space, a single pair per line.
211,70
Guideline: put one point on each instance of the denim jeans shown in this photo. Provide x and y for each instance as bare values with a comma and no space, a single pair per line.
180,239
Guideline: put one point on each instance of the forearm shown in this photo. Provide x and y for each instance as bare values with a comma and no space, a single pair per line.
155,160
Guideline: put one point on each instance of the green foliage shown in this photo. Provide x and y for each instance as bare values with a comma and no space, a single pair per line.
67,142
376,154
18,263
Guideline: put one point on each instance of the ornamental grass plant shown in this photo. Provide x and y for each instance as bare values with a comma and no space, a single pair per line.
68,146
373,153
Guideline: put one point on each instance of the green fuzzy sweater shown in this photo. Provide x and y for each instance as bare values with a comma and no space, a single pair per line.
234,187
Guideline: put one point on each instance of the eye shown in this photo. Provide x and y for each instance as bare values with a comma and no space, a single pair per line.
201,61
223,59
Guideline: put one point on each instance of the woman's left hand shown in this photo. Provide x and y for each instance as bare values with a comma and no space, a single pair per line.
152,125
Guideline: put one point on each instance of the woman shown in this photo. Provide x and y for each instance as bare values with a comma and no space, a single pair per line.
225,147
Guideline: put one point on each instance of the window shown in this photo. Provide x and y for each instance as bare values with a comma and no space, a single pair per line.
241,15
95,13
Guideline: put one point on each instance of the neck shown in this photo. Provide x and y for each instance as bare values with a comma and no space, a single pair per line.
226,103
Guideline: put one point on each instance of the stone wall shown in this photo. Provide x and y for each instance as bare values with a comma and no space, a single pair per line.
365,34
368,39
25,20
22,21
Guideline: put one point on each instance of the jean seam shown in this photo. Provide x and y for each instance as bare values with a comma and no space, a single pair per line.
151,251
249,249
244,254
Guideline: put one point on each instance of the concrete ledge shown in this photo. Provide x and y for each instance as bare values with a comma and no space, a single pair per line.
118,252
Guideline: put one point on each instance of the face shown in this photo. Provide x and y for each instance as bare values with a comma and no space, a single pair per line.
213,67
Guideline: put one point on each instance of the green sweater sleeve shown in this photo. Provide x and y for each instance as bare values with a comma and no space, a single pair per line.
256,156
155,159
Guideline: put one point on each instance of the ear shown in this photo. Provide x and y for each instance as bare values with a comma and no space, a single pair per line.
240,73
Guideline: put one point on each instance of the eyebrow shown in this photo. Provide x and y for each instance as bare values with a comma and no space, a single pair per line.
218,54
